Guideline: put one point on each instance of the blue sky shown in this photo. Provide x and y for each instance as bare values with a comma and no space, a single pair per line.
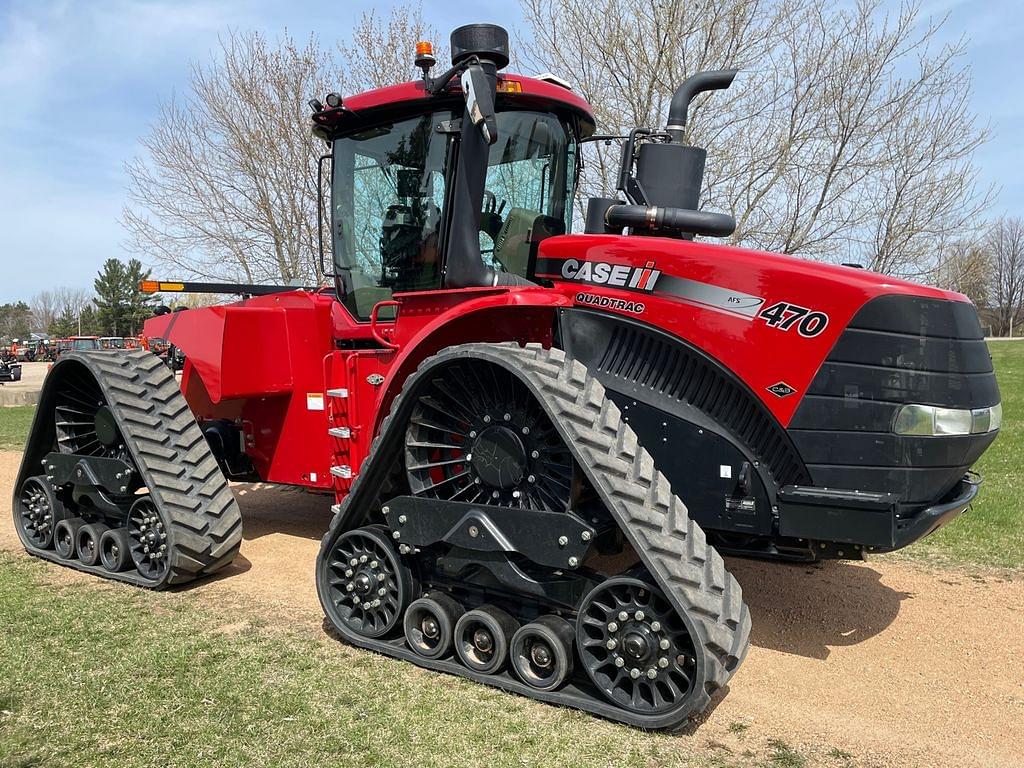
81,81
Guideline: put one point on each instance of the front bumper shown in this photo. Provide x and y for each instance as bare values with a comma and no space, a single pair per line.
871,521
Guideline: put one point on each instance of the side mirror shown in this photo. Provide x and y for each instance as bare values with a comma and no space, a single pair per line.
480,102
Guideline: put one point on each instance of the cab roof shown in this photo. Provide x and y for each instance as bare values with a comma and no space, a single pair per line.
513,90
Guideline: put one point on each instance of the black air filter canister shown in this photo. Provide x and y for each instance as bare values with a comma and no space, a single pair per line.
671,174
488,41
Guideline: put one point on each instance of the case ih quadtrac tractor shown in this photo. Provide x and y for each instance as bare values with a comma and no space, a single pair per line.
539,443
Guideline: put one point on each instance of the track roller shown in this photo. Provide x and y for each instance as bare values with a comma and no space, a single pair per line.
542,653
482,638
430,625
65,537
87,543
115,550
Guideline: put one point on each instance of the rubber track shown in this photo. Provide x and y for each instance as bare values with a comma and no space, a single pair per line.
672,547
173,459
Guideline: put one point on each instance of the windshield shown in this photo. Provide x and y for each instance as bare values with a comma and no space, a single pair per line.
388,200
84,344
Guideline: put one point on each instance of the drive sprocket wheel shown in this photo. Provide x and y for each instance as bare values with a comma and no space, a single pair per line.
478,435
634,647
370,586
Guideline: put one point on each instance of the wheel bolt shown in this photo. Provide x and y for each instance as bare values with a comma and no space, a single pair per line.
613,627
531,479
623,616
472,433
663,662
534,454
381,577
382,591
354,562
363,558
395,535
573,562
562,541
356,599
639,615
651,674
664,644
348,573
402,519
611,644
526,430
634,673
655,626
508,417
585,536
374,563
487,419
619,661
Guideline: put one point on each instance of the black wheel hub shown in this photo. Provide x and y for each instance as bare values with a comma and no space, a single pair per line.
540,654
499,458
634,646
106,427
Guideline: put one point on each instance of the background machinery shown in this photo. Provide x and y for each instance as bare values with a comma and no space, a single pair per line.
538,442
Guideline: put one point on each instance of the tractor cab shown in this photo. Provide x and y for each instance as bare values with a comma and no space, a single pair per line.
448,182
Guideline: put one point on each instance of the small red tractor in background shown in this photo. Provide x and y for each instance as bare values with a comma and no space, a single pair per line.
538,443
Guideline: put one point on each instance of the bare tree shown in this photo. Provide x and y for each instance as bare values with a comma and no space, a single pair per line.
848,135
966,266
226,188
47,306
1005,242
380,51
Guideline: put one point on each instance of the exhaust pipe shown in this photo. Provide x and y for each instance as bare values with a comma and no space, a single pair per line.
716,80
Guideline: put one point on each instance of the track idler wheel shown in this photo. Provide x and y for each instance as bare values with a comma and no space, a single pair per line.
430,625
483,637
369,584
87,543
541,653
635,648
147,534
38,512
115,550
65,537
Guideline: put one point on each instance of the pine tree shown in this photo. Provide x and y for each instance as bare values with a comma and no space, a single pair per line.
65,325
89,322
140,305
112,298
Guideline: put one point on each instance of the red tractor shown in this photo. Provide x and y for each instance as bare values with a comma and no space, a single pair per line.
538,442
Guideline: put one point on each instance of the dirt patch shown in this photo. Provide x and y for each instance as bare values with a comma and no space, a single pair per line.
890,662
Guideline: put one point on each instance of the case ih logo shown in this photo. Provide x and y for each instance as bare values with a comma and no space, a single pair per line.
782,389
614,275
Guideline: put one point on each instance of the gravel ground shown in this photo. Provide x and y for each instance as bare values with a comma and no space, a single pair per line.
892,663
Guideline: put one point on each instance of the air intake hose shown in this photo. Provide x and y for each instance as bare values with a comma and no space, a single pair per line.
655,218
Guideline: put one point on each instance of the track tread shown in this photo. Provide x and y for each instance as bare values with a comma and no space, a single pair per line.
672,546
174,461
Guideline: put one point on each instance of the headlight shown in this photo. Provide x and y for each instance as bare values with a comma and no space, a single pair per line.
932,420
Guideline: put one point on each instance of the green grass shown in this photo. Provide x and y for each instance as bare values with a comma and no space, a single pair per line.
991,533
98,675
14,424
